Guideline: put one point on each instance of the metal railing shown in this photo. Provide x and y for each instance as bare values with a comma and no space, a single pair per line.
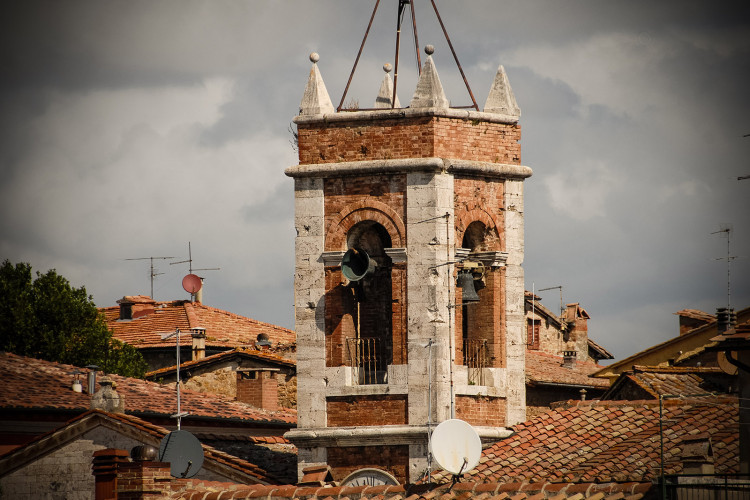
706,487
366,358
475,358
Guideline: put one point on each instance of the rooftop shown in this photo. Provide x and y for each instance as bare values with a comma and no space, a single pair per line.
223,329
610,441
243,352
543,368
669,380
30,383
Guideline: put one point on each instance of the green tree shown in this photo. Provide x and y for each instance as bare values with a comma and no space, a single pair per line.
49,319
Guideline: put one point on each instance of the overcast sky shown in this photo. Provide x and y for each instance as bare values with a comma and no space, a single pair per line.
131,128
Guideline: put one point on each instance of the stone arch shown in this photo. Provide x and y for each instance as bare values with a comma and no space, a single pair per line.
467,218
365,210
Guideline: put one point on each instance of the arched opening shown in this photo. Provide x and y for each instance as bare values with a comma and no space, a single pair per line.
477,334
370,350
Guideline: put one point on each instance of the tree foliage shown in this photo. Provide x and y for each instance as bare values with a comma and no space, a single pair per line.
49,319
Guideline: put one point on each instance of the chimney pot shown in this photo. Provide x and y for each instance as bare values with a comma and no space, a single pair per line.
569,359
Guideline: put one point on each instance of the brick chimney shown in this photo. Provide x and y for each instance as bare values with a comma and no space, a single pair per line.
116,478
135,306
258,387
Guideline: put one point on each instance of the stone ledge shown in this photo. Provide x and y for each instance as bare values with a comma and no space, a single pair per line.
389,114
406,165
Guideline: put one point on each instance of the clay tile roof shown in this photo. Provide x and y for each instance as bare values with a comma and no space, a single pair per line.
696,314
223,329
657,380
242,352
192,489
738,335
148,432
30,383
609,441
603,353
543,368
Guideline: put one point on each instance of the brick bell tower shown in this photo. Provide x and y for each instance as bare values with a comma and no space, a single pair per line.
392,206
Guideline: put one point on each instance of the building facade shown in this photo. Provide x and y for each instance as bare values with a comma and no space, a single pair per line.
391,206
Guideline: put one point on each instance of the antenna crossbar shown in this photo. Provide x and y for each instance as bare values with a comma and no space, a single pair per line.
153,271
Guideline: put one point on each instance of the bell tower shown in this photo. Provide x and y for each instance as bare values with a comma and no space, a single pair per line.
393,207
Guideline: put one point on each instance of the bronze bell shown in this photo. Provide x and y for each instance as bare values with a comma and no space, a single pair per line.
465,281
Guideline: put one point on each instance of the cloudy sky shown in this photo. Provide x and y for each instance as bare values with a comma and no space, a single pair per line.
130,128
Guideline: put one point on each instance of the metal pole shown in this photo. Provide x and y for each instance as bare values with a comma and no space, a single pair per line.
661,446
179,417
354,68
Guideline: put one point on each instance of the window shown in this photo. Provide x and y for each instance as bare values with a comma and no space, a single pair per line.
532,331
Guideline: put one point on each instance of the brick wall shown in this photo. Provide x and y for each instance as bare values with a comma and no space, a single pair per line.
347,411
481,410
392,459
417,137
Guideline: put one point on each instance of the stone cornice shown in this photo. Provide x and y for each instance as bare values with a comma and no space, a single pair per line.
383,435
405,165
389,114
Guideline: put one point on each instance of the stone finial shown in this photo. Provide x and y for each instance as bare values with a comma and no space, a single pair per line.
429,92
107,399
501,99
385,96
315,100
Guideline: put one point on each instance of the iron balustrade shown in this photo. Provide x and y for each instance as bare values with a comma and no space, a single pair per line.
475,358
366,356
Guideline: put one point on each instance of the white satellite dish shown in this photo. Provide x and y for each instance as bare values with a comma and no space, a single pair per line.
456,446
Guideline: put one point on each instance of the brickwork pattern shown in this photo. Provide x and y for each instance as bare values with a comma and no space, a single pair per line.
346,411
393,459
414,137
481,410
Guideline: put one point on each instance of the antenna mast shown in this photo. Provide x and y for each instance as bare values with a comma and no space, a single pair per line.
726,229
190,265
562,309
153,270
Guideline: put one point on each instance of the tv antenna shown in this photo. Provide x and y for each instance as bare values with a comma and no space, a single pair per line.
562,309
190,268
402,4
153,272
726,230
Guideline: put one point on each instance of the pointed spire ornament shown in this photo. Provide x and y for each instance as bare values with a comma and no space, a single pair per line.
385,96
501,99
315,100
429,92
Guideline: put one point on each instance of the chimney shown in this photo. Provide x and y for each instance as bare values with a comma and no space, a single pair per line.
91,379
105,466
258,387
199,294
118,478
697,455
107,399
725,319
262,341
135,306
199,343
569,359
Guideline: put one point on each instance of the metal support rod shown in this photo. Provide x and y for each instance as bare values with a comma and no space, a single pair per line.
354,68
179,413
416,39
455,57
399,19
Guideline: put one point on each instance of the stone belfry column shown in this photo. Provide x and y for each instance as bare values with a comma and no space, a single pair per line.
423,191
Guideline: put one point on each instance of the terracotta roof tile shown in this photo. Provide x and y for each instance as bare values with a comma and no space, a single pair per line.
223,329
34,383
543,367
247,352
584,445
